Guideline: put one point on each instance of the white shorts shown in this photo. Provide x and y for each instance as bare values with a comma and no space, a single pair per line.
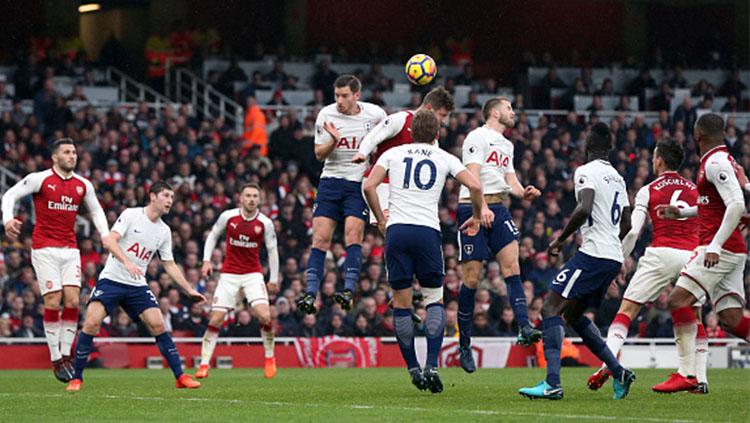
252,285
384,194
56,267
722,283
657,268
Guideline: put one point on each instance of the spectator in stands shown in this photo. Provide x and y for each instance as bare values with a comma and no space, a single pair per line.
607,88
472,102
733,86
686,113
318,99
550,81
77,93
678,79
361,326
123,326
507,326
234,73
277,99
466,77
254,128
4,95
481,327
596,104
567,101
624,105
639,85
377,98
277,76
731,105
702,88
28,329
245,326
541,273
663,100
713,330
323,79
309,327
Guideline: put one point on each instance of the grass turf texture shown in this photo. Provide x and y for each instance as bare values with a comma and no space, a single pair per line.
361,394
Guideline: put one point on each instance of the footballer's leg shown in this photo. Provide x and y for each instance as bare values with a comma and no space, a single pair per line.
263,314
215,320
95,314
323,228
553,331
53,330
404,330
685,325
507,257
69,322
354,229
472,271
616,335
154,321
701,356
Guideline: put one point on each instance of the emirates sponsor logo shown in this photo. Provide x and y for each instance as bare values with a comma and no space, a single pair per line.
243,242
65,204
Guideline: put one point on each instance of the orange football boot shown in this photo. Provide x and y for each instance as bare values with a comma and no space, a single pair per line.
185,381
202,372
269,370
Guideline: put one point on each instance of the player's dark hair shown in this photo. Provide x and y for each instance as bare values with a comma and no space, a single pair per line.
491,104
60,142
159,186
711,126
599,140
671,152
424,127
250,185
439,98
350,81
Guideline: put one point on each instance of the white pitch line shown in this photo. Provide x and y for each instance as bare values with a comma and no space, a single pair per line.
362,407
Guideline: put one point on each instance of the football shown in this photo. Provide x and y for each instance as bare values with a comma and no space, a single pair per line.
421,69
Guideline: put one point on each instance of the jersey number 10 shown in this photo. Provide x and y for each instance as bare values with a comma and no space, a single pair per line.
418,172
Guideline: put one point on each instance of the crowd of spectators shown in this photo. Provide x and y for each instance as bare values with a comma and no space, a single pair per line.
123,152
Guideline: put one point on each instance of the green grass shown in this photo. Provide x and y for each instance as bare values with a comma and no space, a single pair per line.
361,394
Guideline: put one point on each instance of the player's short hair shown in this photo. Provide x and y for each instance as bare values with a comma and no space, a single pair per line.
424,126
350,81
711,126
491,104
671,152
60,142
439,98
250,185
160,186
599,139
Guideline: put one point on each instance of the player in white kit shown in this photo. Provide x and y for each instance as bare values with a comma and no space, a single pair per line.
339,129
246,230
603,215
136,237
413,246
58,193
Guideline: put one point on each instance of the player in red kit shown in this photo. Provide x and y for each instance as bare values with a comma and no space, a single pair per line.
246,230
58,194
716,266
673,243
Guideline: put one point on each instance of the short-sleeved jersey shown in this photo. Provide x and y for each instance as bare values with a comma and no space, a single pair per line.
417,176
670,188
56,203
393,131
140,240
601,234
494,153
244,236
718,186
352,129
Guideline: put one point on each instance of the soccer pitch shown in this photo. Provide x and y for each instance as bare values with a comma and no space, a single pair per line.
361,395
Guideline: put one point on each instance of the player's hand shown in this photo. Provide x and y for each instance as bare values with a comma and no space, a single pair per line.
555,247
207,268
531,192
741,176
196,296
471,226
272,288
13,229
744,222
134,271
359,158
710,259
487,218
381,226
666,211
331,129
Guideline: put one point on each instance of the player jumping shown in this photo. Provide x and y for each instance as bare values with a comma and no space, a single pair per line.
136,237
603,215
339,129
246,228
489,157
417,174
660,265
58,194
716,266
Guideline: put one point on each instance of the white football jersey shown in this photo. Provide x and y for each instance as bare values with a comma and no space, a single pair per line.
601,234
417,174
140,239
494,153
352,130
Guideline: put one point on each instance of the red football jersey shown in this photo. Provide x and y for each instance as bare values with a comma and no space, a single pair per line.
243,240
398,127
670,188
56,204
711,207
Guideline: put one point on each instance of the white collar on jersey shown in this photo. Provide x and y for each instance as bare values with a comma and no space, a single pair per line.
247,219
712,150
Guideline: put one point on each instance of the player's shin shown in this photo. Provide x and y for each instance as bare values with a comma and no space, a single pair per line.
68,327
592,338
685,331
209,344
169,350
466,300
352,266
742,330
517,299
83,348
404,329
315,269
52,329
701,354
435,329
553,337
266,332
618,332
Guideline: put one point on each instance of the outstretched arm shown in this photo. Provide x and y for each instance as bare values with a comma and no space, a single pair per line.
581,213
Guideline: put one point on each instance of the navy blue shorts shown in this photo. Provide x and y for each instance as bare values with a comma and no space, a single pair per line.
414,250
487,242
585,278
339,198
133,299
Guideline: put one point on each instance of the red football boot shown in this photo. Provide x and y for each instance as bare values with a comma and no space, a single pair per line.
676,383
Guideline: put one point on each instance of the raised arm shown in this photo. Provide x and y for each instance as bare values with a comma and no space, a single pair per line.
386,129
580,215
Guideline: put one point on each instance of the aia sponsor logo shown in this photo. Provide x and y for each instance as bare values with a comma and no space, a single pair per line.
497,159
348,143
140,252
